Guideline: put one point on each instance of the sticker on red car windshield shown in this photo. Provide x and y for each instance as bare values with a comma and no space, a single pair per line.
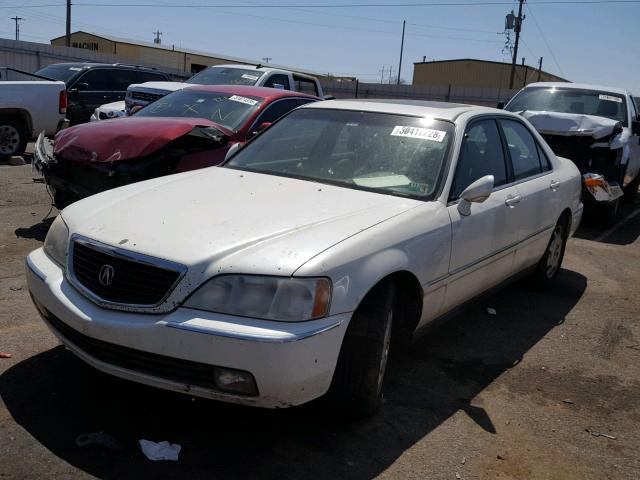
418,132
610,98
245,100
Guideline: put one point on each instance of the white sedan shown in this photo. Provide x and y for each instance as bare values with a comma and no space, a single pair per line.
109,111
345,228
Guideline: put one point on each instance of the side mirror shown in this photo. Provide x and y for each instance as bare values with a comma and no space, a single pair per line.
261,127
477,192
635,127
500,106
135,109
232,151
80,86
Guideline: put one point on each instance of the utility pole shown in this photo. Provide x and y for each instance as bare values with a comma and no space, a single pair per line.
517,28
267,59
67,38
382,75
540,69
404,22
17,20
390,75
157,40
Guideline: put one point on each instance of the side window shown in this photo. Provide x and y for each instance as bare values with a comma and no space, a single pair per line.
305,85
96,80
634,109
276,110
545,164
480,154
121,79
141,77
522,149
278,79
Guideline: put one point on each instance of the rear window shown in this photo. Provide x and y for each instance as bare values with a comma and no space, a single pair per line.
59,72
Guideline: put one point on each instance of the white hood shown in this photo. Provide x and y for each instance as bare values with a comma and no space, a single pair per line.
223,220
160,86
570,124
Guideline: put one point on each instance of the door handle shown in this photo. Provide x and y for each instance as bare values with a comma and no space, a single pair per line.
554,185
512,200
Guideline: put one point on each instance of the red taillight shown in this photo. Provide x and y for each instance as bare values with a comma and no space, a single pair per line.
63,101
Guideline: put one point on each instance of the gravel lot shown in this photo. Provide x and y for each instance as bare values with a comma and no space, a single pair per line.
518,395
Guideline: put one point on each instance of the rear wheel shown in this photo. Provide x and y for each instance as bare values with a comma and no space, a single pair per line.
549,265
356,389
13,137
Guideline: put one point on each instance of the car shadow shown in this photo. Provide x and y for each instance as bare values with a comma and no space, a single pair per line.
36,231
55,397
624,232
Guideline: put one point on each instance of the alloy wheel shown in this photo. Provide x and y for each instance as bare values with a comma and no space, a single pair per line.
555,251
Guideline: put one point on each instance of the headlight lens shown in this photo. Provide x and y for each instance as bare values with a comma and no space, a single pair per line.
269,298
56,244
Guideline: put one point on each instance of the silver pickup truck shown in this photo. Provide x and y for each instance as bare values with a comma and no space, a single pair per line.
28,107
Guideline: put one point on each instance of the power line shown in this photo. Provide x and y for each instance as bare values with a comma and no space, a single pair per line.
544,38
342,5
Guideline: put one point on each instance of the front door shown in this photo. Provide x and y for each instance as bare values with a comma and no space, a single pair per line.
482,244
87,93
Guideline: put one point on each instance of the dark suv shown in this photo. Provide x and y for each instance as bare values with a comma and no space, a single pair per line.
90,85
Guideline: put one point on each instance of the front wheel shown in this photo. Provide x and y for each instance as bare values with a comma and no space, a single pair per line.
356,389
549,265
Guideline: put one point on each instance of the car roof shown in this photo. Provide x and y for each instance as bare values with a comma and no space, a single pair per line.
261,68
441,110
263,92
579,86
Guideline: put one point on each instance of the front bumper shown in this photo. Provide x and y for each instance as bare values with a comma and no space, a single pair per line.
292,363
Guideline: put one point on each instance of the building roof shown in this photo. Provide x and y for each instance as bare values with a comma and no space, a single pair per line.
482,61
580,86
441,110
187,51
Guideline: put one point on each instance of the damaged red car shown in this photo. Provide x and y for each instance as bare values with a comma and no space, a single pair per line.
186,130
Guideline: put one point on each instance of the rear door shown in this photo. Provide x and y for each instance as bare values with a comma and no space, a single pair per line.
537,184
90,90
483,243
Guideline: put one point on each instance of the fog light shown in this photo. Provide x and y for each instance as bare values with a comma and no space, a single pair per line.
235,381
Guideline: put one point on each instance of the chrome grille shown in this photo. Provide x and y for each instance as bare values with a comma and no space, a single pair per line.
146,97
133,279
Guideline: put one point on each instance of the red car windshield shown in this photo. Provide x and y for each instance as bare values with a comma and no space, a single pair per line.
229,110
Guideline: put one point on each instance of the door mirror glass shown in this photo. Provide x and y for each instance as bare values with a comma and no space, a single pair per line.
263,126
232,151
500,106
80,86
136,109
477,192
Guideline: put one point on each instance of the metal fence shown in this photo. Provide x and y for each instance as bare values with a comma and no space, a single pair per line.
30,57
448,93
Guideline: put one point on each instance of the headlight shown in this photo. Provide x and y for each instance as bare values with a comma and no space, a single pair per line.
56,244
269,298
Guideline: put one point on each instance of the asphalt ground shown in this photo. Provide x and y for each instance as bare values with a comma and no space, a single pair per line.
524,394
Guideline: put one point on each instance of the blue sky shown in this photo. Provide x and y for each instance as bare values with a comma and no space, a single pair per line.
595,43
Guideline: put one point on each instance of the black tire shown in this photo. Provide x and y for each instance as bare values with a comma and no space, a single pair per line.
607,215
13,137
356,389
549,265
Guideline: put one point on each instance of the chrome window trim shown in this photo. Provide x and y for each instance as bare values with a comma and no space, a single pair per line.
126,255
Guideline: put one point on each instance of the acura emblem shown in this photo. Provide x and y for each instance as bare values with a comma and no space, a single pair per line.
106,275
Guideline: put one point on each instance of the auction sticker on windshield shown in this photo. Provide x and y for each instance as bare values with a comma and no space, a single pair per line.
418,132
610,98
245,100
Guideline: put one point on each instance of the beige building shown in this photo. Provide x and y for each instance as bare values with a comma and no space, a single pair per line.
470,72
157,54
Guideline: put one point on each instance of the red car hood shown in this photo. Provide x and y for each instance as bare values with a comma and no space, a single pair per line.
124,138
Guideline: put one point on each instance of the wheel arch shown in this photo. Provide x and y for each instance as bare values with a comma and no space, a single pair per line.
19,113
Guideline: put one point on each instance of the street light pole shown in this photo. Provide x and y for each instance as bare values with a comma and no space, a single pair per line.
404,22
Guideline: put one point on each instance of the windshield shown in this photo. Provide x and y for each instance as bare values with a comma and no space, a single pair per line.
59,72
225,76
394,154
226,109
570,100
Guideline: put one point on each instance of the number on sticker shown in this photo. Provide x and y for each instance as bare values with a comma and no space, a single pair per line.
610,98
245,100
418,132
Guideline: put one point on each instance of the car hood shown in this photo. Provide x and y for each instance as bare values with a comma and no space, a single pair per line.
570,124
220,220
161,86
124,138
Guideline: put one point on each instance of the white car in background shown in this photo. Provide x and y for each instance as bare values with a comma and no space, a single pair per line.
109,111
287,273
597,127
